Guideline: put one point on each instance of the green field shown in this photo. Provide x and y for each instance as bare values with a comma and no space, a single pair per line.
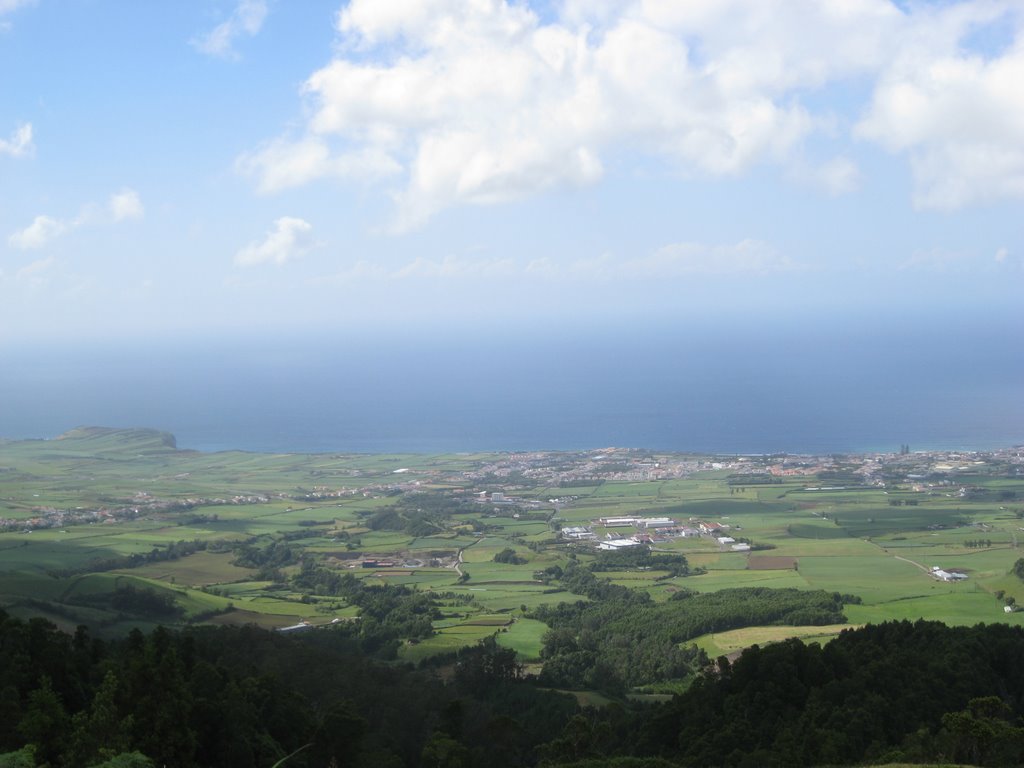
120,501
725,643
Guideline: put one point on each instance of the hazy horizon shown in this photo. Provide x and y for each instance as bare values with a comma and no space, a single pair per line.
794,387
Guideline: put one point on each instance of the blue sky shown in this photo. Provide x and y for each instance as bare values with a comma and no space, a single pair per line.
230,167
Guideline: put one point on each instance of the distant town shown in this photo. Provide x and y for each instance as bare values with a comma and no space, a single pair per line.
506,480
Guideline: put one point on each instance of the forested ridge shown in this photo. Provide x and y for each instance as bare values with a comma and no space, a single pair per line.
897,691
243,696
621,638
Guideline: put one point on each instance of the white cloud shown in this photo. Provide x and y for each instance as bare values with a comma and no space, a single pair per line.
44,229
288,240
126,205
280,164
456,267
945,260
1005,259
35,272
41,231
247,19
20,142
958,114
480,102
8,6
836,177
751,257
671,262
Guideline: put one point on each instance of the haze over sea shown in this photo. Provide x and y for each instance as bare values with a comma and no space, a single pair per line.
794,386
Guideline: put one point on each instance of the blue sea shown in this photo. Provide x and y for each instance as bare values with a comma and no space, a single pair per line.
797,387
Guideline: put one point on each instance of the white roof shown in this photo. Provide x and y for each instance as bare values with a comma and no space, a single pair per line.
618,544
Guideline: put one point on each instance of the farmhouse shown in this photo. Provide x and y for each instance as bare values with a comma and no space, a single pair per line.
941,575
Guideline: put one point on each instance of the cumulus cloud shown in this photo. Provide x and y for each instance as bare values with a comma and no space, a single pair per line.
287,241
45,229
19,143
281,164
957,113
126,205
480,101
41,231
247,19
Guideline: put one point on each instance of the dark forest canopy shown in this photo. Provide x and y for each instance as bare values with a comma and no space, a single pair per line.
243,696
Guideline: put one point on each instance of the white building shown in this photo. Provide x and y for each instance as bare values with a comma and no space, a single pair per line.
655,522
302,626
616,544
942,575
578,532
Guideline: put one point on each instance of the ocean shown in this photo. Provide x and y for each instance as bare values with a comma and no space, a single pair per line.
749,388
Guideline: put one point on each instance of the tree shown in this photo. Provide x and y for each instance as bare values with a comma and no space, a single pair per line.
127,760
982,734
100,732
443,751
339,736
23,758
45,722
509,556
1018,569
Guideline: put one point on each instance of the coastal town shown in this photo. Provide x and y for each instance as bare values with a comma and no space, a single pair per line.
507,482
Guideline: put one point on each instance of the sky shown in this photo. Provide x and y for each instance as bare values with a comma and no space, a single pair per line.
212,168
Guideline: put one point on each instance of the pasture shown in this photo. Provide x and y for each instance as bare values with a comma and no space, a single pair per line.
726,643
116,502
